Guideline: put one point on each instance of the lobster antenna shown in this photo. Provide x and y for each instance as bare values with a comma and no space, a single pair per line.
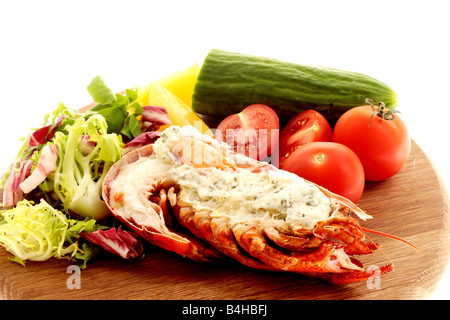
390,236
364,230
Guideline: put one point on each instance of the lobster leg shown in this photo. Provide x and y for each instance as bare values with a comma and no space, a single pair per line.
350,277
182,244
185,217
216,230
341,230
326,259
346,231
291,241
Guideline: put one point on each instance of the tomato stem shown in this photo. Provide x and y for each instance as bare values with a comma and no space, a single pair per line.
382,111
319,157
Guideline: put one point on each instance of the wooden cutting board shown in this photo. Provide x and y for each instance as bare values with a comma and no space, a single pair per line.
413,205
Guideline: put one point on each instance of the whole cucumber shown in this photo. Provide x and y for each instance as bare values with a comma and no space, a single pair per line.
228,82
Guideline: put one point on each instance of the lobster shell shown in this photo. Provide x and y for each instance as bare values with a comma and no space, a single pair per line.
318,252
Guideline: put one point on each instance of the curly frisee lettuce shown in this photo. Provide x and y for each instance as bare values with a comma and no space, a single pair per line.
78,178
38,232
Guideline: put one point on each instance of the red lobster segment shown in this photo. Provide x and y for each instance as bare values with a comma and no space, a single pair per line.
177,224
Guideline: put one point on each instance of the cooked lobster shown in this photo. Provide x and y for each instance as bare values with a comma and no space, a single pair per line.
190,194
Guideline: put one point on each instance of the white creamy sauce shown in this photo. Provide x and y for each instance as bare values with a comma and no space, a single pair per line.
241,194
274,194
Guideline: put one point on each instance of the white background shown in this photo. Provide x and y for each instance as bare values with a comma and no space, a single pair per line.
50,50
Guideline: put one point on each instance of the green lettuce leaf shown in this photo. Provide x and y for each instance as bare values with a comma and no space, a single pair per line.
120,111
78,178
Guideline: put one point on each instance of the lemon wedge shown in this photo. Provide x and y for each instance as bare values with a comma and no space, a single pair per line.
179,112
181,83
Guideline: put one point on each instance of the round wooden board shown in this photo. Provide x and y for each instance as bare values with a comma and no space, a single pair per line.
412,205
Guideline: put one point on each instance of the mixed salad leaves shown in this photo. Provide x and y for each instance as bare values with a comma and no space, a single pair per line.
52,190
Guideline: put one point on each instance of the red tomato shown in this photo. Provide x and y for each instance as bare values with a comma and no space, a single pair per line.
305,127
383,146
253,132
330,165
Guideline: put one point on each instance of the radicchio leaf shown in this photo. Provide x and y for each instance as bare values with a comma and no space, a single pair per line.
44,134
121,242
154,117
86,145
141,140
